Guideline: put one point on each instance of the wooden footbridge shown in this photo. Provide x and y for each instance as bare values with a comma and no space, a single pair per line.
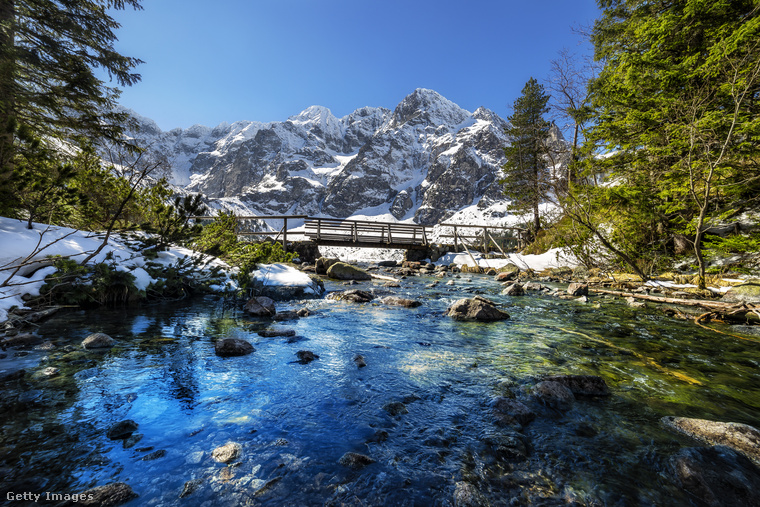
366,234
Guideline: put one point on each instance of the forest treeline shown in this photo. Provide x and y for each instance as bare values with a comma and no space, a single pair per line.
664,130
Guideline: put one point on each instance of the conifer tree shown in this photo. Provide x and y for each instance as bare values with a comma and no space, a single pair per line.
526,178
676,106
49,50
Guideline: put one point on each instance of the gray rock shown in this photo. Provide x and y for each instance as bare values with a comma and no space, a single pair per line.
154,455
231,347
467,495
260,306
587,385
514,289
98,341
359,360
477,309
354,295
397,301
740,437
190,487
122,430
343,271
22,341
507,273
110,495
323,264
287,315
717,476
554,395
747,292
227,452
577,289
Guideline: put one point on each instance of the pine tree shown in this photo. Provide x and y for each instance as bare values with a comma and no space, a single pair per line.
49,50
676,106
526,175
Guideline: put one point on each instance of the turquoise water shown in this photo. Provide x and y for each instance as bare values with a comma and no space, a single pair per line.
294,421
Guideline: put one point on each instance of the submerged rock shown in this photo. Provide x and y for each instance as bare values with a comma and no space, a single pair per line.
343,271
306,356
395,408
286,315
110,495
467,495
477,308
272,333
359,360
740,437
354,295
260,306
98,341
21,341
397,301
190,487
554,395
717,476
509,411
226,453
231,347
122,430
355,460
585,385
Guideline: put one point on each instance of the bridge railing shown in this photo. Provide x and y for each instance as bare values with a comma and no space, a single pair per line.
359,231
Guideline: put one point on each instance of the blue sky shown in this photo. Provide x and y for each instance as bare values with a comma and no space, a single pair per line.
265,60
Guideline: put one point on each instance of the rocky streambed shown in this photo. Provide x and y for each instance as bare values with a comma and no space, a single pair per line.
438,388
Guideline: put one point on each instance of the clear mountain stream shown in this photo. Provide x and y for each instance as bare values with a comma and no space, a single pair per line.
420,408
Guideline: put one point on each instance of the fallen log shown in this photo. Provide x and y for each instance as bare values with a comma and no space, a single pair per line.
734,311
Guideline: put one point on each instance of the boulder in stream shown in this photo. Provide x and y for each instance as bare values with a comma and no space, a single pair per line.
98,341
746,292
344,271
514,289
477,308
354,295
508,411
227,452
355,460
110,495
231,347
554,395
740,437
717,476
260,306
398,301
577,289
306,356
122,430
584,385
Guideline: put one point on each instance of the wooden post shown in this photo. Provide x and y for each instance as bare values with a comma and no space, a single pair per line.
354,232
485,241
319,229
456,246
285,234
390,236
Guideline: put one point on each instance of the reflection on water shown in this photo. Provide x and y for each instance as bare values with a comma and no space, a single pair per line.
419,409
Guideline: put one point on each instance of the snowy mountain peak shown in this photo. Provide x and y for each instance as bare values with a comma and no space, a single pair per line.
428,106
426,160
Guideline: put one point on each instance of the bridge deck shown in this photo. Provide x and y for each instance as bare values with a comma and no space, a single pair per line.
337,232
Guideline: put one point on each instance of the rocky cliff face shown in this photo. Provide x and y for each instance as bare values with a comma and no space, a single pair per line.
425,160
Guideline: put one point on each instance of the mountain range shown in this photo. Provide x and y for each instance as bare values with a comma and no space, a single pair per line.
425,161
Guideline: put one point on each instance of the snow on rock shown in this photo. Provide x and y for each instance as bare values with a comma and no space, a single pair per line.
553,258
25,259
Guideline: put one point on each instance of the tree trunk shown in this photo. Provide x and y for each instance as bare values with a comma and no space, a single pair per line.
7,92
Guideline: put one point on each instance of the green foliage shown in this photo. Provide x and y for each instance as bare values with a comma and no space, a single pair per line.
526,177
220,239
179,279
49,50
40,188
170,222
99,284
736,243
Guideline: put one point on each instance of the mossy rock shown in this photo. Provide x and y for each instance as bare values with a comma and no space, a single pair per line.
747,292
343,271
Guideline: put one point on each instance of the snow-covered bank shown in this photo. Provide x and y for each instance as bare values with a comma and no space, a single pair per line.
553,258
24,259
